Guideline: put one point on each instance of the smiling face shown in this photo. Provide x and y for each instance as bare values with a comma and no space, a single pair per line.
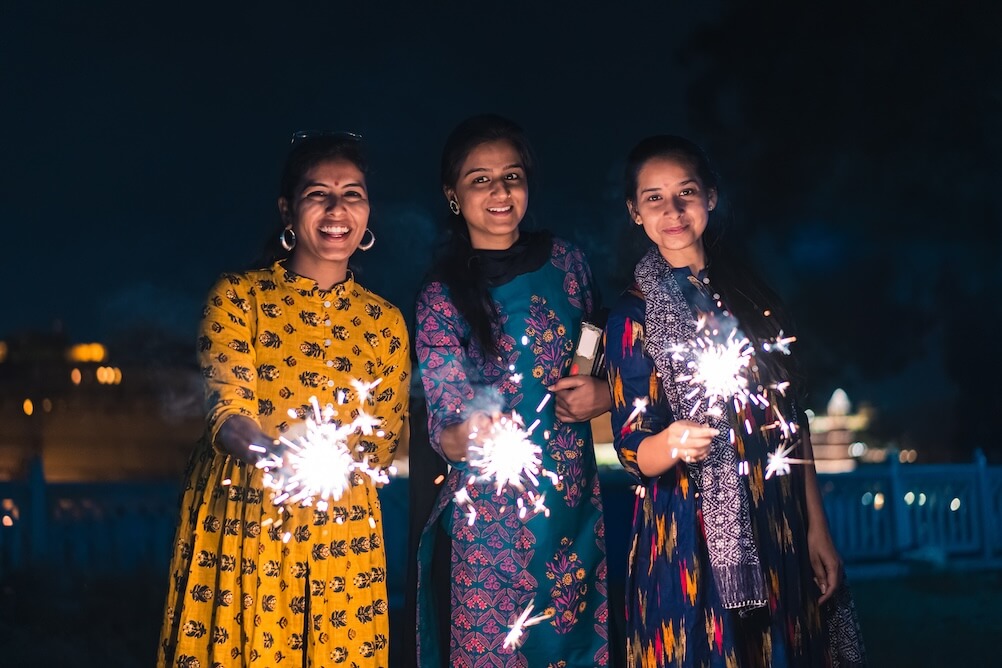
673,206
329,212
492,193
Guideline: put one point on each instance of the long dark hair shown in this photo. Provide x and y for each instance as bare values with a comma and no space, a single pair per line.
308,151
745,294
454,265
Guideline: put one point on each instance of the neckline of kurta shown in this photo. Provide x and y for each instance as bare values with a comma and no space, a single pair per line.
308,287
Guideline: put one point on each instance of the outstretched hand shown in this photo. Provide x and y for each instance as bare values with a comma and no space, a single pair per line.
580,398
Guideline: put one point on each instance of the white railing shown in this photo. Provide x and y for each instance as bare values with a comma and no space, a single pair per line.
878,514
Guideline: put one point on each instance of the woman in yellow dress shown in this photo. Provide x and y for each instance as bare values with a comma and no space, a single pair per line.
311,592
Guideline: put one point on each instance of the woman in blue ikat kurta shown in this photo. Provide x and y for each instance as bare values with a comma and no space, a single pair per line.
725,569
504,304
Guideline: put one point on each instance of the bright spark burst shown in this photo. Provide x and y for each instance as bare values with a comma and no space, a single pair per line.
779,344
516,635
717,371
506,456
639,407
318,465
779,461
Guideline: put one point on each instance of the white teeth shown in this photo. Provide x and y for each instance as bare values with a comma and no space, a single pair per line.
330,229
503,209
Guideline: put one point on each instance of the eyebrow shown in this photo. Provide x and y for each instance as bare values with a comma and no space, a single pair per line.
314,184
514,165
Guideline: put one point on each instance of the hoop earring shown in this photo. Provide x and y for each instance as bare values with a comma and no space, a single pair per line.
454,206
372,241
287,238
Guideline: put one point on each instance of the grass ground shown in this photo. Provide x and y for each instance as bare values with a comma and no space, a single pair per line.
934,618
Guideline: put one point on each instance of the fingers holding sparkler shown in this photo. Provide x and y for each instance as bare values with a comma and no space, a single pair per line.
689,441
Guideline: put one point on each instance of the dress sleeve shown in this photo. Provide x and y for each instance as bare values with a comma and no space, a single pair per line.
393,392
578,284
440,356
632,376
226,352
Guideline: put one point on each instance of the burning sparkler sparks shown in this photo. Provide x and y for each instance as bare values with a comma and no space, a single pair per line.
319,465
717,370
516,635
505,457
779,461
639,407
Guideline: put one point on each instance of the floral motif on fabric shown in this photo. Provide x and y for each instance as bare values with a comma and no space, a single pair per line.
548,341
570,586
566,447
490,561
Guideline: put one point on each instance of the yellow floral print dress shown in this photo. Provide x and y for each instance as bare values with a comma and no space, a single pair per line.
312,592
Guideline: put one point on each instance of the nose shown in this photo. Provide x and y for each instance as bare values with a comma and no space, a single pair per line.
501,189
334,203
676,205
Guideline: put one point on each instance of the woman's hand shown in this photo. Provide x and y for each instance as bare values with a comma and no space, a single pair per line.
689,441
580,398
682,441
456,439
238,433
825,561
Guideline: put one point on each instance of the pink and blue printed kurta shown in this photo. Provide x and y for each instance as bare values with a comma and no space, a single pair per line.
502,563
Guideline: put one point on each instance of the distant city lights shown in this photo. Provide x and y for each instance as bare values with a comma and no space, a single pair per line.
108,375
86,352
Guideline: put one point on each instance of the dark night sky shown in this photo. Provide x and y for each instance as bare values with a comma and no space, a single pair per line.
858,146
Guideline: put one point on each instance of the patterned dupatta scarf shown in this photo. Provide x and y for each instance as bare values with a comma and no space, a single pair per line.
669,326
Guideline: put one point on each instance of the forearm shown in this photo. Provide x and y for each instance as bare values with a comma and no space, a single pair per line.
816,519
654,457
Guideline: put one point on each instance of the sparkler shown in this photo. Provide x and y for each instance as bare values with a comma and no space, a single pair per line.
506,458
319,465
516,634
717,371
779,461
639,407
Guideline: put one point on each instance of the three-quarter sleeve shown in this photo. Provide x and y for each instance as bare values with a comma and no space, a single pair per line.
393,392
440,356
632,376
578,285
226,352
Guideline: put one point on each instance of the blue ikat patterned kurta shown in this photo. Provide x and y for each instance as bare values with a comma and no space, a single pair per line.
673,610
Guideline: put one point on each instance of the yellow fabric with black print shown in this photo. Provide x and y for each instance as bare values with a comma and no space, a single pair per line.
313,590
